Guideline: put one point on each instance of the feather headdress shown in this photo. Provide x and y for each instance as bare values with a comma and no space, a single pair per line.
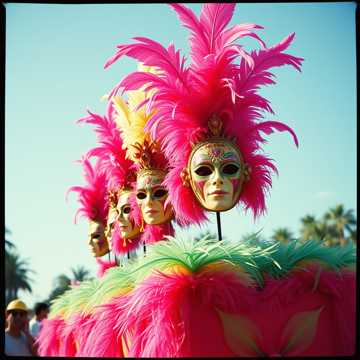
119,170
213,86
92,196
141,148
131,119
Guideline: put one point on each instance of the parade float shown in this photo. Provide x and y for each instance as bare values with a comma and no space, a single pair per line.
186,140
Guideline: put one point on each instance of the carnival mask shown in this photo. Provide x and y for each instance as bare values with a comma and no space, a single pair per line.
128,229
216,175
151,196
97,241
111,220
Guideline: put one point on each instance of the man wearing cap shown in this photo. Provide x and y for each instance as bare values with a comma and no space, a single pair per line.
18,340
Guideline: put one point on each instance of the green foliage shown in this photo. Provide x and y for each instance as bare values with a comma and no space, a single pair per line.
17,275
283,235
8,244
62,282
80,273
336,227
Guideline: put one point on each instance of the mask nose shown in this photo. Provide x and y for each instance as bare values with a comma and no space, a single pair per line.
120,215
148,200
217,179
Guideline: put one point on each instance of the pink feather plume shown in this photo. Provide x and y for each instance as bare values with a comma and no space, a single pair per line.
103,266
93,196
186,97
110,149
49,337
154,233
158,313
103,341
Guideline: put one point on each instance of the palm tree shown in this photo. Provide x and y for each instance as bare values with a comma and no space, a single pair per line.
8,244
283,235
80,274
16,276
326,233
309,228
341,221
63,282
353,235
313,229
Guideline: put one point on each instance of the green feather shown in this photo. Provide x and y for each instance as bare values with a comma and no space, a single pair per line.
274,260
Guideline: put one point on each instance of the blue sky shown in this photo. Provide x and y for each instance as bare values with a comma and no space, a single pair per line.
54,72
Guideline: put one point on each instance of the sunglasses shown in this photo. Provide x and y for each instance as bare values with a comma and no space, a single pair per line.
18,313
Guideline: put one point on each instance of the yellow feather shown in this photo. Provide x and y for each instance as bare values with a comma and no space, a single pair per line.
130,121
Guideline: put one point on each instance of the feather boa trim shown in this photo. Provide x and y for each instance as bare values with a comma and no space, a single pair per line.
247,300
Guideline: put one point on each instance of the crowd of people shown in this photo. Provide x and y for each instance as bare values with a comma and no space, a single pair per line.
20,332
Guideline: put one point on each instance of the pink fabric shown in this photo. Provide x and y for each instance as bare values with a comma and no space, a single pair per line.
281,299
276,305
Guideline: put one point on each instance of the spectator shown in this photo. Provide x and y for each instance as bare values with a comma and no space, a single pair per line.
41,313
18,340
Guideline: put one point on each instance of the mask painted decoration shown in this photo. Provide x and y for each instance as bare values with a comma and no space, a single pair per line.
111,220
128,229
96,240
216,175
151,196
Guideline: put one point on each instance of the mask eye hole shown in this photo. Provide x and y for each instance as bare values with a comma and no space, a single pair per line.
96,236
126,209
141,195
160,193
230,169
203,170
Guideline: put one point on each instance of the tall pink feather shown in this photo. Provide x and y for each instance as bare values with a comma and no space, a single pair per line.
49,337
103,341
116,166
110,150
213,83
159,312
93,196
67,340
